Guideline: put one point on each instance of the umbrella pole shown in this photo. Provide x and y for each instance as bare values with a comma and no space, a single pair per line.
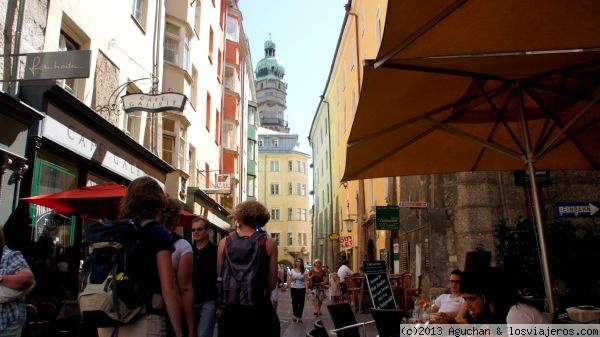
541,238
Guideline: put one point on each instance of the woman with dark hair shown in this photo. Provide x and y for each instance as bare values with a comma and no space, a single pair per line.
297,284
14,274
145,199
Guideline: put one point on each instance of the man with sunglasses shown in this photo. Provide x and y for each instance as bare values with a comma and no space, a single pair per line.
447,306
204,277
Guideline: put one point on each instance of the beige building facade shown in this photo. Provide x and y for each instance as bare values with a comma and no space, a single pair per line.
283,189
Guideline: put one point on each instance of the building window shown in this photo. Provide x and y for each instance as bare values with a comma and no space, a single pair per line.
168,148
290,165
274,189
208,107
298,189
303,189
275,236
260,142
138,11
290,188
218,127
231,79
172,44
304,238
233,31
251,149
274,166
275,142
303,216
251,117
194,88
177,46
66,43
275,214
298,214
181,160
229,135
290,214
251,186
206,175
197,16
211,43
290,239
299,239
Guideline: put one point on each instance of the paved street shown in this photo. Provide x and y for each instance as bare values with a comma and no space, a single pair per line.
293,329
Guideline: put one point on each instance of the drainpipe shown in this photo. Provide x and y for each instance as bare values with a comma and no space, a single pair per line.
155,117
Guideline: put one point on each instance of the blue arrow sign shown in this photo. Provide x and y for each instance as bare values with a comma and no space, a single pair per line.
577,208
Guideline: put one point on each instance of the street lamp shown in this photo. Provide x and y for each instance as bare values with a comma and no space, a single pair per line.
349,223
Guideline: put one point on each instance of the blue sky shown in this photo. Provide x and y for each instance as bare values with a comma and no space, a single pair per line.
305,33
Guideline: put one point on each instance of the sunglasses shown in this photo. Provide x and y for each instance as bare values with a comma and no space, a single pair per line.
194,230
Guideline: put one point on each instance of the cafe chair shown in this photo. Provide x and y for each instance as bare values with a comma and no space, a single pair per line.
312,333
320,328
387,321
345,322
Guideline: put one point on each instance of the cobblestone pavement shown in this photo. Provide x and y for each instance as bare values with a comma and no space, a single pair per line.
299,329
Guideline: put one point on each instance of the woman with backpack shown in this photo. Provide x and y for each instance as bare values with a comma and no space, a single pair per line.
144,200
247,259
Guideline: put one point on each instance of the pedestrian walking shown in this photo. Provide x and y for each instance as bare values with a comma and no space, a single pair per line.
297,284
205,277
182,261
318,280
144,200
247,269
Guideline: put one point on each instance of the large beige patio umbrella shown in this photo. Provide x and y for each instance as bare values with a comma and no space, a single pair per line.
481,85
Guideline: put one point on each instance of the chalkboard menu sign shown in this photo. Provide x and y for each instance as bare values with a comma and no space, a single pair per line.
380,288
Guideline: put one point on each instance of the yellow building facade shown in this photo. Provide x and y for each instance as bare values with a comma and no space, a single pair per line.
344,212
283,189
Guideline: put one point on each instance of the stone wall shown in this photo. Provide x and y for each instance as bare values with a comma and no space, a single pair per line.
463,209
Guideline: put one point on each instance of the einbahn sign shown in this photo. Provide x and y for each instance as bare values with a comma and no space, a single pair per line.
578,209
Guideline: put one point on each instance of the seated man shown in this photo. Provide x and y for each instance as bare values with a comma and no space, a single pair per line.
446,306
345,273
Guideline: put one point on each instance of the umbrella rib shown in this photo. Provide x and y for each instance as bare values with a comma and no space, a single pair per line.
551,122
563,131
430,113
445,71
499,114
419,32
491,145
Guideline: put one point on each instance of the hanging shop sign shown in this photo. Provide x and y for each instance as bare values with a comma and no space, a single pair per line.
154,103
387,218
55,65
346,242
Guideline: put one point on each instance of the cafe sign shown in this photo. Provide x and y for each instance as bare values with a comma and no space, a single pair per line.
387,217
55,65
154,103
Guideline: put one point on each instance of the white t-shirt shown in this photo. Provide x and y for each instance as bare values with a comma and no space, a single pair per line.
447,303
298,279
182,247
344,272
522,313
